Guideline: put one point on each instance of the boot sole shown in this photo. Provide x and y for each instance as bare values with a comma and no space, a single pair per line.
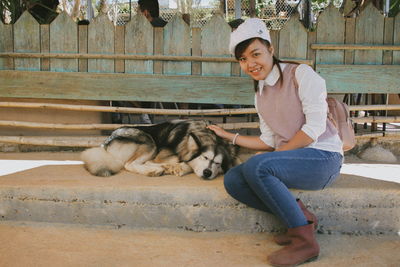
296,264
288,242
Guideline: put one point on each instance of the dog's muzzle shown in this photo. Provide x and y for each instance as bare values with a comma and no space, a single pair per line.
207,173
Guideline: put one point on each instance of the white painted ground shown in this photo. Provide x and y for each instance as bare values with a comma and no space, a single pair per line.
13,166
386,172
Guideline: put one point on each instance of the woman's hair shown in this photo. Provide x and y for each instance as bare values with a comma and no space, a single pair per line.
241,47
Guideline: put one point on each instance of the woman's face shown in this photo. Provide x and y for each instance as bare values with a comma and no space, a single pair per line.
257,60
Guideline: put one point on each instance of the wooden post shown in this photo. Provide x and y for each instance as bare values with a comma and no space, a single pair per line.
6,45
252,7
158,49
120,47
196,50
349,39
83,46
45,46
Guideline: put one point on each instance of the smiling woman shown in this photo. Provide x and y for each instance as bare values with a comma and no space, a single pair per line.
305,148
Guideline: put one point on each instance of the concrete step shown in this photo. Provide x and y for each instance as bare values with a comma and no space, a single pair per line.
40,244
70,195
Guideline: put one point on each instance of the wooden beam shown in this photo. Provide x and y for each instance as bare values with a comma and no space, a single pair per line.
93,141
228,126
61,141
354,47
79,127
118,57
60,126
374,107
377,119
188,112
132,57
90,108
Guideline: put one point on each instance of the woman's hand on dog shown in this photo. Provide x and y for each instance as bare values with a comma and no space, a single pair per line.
221,132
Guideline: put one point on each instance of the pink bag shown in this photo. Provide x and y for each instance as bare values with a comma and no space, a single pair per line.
339,114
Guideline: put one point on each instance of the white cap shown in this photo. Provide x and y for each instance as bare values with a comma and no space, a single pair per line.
250,28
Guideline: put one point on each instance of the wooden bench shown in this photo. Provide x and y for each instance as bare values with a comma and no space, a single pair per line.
340,79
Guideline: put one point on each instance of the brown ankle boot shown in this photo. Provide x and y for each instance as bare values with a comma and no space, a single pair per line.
302,248
283,239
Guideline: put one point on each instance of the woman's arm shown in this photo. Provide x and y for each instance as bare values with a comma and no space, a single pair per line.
299,140
251,142
312,94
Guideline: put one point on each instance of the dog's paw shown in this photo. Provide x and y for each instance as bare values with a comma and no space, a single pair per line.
155,171
145,169
171,169
178,169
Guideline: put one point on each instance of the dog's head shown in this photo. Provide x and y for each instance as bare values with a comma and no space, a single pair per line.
208,155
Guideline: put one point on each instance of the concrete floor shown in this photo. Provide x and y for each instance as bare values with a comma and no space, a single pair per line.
44,244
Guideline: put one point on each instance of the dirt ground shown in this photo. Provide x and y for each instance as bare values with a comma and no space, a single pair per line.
38,244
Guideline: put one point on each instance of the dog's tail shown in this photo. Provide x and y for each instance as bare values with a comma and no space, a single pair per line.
101,163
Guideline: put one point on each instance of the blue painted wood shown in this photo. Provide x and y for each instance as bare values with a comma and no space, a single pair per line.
177,43
293,39
63,39
101,41
330,29
6,45
139,40
369,30
215,42
27,39
361,78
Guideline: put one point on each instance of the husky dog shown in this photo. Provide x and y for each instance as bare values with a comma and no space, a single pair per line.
178,147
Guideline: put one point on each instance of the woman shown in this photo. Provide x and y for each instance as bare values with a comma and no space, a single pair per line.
306,151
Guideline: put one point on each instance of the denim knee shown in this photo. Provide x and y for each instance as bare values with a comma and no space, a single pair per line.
251,166
232,181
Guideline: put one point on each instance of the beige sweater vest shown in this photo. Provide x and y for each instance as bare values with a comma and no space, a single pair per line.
281,109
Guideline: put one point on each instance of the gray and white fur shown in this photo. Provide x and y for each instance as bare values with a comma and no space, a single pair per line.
178,147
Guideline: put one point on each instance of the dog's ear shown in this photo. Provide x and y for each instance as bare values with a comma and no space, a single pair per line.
231,158
225,166
191,148
226,158
193,142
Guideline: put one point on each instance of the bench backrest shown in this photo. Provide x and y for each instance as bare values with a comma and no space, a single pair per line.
191,89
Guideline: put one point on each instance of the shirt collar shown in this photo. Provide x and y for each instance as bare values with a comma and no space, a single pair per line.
271,79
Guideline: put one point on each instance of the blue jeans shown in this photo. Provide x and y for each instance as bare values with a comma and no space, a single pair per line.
264,180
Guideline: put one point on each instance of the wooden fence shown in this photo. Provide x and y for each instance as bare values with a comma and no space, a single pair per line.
355,55
178,49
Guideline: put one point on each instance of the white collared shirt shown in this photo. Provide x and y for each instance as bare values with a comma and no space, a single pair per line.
312,94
